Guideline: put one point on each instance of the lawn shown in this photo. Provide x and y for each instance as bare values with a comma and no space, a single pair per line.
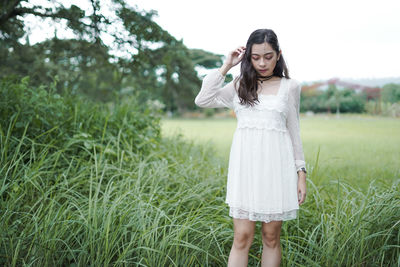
357,148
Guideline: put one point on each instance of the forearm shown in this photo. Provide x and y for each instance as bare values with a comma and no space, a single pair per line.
225,68
213,94
293,125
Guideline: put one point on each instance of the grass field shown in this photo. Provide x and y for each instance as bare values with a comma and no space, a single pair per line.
83,185
351,216
356,148
106,204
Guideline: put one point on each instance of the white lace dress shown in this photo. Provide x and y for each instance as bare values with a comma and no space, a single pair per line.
266,149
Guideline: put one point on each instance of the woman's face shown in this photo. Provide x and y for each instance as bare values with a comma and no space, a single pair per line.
264,58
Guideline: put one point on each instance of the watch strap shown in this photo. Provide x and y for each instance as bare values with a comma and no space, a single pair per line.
302,169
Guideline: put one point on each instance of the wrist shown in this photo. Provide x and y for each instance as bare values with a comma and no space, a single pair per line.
302,169
225,68
301,176
301,173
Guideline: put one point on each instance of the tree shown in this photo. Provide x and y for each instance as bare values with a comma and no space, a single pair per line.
141,58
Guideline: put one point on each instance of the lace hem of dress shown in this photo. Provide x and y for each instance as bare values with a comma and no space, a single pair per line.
239,213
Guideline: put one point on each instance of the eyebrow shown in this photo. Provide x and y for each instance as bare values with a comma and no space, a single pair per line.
254,54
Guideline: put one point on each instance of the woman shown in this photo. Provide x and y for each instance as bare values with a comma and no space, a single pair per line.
266,175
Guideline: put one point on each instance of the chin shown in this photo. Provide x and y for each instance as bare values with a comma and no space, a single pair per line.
264,74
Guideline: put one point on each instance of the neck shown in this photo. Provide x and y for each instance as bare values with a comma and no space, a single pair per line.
264,78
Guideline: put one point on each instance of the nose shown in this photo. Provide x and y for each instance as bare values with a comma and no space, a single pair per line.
262,62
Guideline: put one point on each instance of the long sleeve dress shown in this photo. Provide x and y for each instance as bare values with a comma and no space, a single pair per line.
266,150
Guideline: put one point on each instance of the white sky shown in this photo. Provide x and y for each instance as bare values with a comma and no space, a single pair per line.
319,39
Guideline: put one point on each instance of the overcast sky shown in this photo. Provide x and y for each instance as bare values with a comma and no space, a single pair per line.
319,39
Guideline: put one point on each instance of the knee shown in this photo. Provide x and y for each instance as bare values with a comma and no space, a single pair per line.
270,240
243,239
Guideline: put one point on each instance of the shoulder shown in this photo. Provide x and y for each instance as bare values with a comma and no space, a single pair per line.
293,82
294,85
294,89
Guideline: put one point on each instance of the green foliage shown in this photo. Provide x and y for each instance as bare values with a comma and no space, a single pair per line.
333,99
350,101
347,143
391,93
93,185
313,102
167,209
383,108
140,54
87,190
209,112
42,116
351,213
153,211
205,59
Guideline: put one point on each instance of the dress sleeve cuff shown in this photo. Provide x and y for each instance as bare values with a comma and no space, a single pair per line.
300,164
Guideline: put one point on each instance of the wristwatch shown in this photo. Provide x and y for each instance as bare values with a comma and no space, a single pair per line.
302,169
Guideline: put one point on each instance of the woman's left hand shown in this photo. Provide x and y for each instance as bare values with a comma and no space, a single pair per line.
301,187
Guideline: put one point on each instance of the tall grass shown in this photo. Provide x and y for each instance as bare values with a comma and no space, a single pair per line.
152,211
98,200
168,209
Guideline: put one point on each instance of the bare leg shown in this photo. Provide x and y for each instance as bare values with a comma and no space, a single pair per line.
271,237
242,239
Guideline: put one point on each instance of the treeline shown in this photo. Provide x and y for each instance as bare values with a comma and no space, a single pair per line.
380,101
114,54
333,100
126,53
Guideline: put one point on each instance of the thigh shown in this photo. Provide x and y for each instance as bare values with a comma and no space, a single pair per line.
244,226
272,228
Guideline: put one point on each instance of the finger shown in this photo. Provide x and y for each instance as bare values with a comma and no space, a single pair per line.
302,199
301,195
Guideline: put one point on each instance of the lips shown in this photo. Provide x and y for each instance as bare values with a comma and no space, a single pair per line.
263,70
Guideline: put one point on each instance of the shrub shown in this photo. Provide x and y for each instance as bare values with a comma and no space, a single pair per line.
391,93
209,112
45,117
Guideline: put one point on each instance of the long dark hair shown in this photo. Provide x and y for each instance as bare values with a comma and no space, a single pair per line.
248,75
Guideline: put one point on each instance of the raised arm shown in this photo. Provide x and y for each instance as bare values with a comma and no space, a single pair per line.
213,94
293,123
